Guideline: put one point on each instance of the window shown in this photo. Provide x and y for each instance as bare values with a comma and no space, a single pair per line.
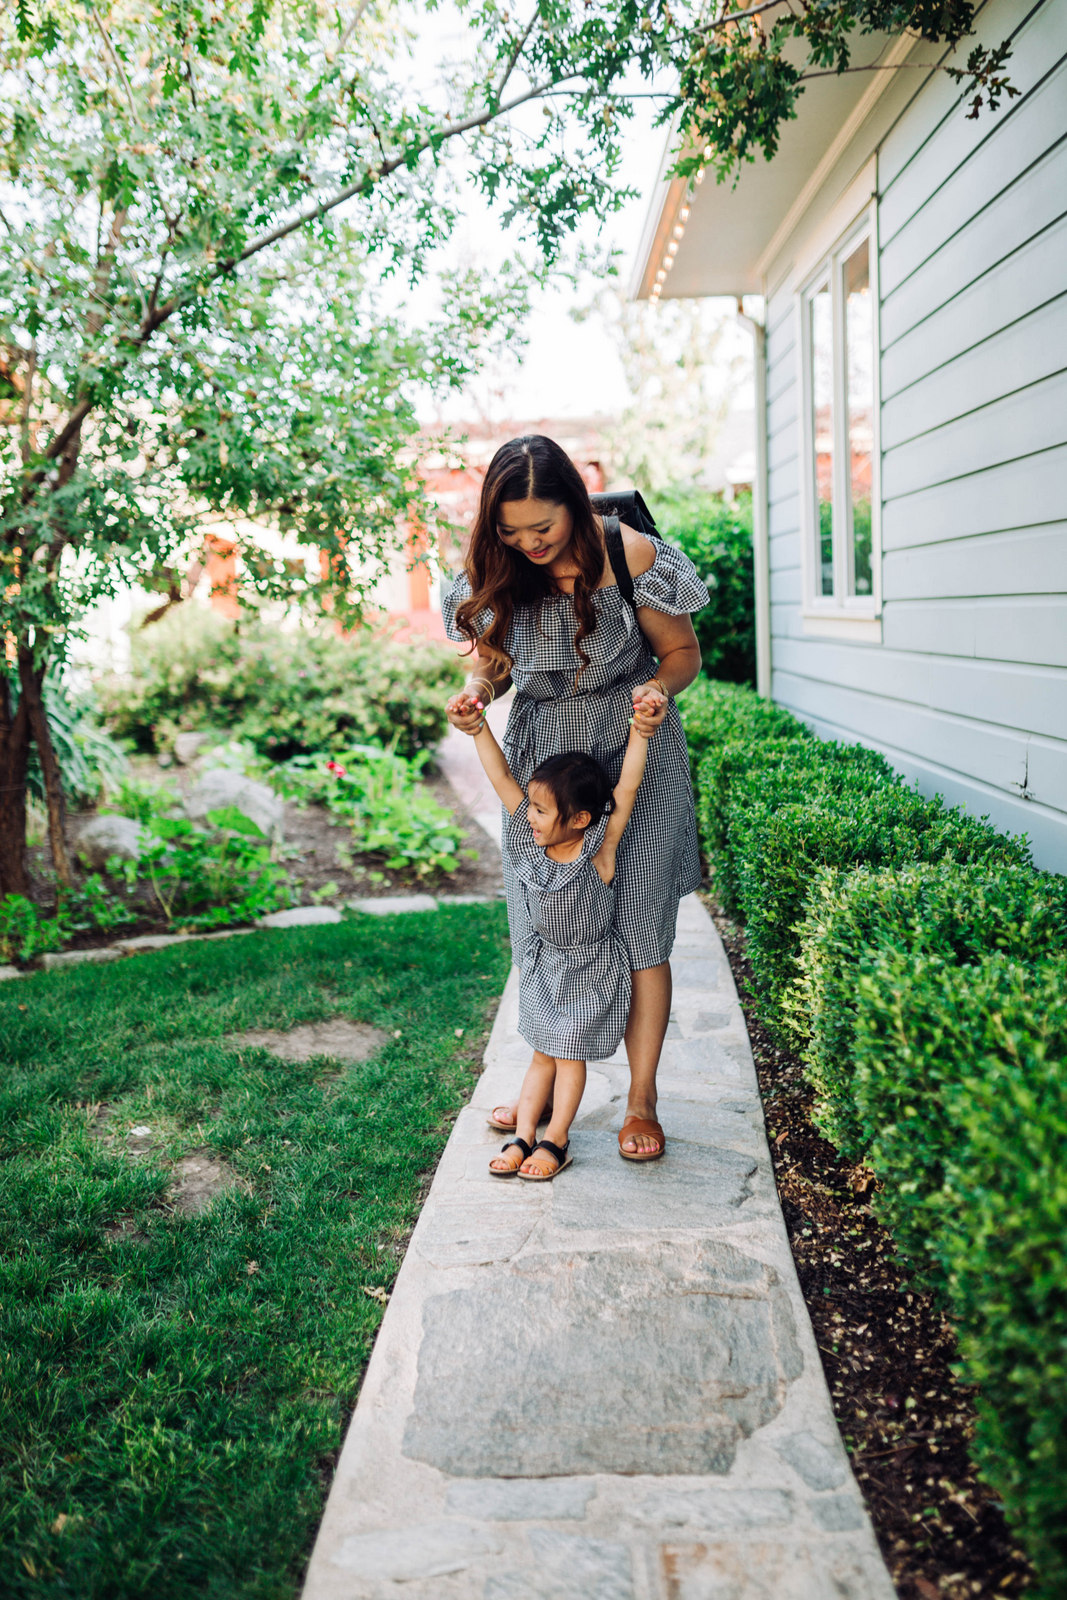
839,476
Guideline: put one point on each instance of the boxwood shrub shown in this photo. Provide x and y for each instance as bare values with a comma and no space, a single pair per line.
961,1091
715,714
960,913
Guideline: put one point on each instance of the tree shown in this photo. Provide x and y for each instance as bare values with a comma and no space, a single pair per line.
198,198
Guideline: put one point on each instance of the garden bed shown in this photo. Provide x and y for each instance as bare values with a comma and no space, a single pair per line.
315,852
199,1237
887,1350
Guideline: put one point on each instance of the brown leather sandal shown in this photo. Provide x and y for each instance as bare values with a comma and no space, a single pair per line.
559,1154
645,1125
510,1172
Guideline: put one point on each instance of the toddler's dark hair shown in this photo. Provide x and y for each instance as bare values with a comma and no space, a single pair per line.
576,783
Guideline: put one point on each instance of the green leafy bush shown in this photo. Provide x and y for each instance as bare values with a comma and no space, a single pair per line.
961,1092
717,538
779,848
852,920
286,692
381,796
26,931
715,714
204,880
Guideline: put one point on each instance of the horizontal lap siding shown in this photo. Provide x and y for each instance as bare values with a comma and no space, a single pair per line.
967,691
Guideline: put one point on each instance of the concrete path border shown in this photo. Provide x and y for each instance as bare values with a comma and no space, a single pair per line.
607,1387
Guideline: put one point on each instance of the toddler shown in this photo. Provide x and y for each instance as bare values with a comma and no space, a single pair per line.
574,991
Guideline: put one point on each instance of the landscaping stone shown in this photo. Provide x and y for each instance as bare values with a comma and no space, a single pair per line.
819,1467
547,1500
394,903
299,917
221,787
72,958
337,1037
106,836
187,746
9,972
198,1178
608,1385
150,941
224,933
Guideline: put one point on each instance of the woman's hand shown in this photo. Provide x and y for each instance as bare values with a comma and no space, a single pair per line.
642,690
465,711
649,710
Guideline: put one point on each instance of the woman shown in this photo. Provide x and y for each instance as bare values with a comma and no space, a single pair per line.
539,604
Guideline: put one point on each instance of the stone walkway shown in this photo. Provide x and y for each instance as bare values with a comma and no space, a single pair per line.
607,1387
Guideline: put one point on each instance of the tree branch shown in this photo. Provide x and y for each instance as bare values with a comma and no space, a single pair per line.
520,46
110,48
27,400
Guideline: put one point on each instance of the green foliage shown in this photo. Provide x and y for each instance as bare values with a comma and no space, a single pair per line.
717,538
285,692
90,762
715,714
381,795
961,1096
141,800
26,931
203,880
177,1386
853,920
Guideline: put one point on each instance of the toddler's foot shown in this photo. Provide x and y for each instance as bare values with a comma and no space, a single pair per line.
505,1165
545,1161
503,1118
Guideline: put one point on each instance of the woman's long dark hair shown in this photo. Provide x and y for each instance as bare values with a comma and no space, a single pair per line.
530,468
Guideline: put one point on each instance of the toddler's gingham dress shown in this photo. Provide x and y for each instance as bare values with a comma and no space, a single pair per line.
658,860
574,994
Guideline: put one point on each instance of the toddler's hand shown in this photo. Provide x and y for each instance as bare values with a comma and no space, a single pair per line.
649,712
465,711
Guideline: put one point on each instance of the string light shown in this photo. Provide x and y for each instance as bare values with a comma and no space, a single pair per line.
677,234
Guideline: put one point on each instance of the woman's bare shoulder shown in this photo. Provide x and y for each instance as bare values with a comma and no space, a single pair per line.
639,551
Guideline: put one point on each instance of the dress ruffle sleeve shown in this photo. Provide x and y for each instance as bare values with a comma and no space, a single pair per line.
458,591
531,863
671,584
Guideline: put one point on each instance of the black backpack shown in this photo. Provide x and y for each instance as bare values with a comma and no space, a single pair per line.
628,506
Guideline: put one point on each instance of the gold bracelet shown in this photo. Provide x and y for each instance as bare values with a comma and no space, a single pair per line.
664,691
488,685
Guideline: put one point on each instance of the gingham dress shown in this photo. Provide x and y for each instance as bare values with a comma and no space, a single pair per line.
574,994
658,860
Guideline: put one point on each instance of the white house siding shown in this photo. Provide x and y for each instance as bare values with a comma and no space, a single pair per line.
967,691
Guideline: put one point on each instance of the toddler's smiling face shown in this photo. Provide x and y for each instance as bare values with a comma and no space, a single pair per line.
546,824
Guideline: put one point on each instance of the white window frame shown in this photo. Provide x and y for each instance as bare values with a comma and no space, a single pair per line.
842,614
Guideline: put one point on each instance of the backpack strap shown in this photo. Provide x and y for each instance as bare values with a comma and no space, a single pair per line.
617,557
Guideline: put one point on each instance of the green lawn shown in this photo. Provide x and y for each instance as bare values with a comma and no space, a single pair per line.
171,1404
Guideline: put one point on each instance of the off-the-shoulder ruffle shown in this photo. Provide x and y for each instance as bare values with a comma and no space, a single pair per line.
531,863
458,591
671,584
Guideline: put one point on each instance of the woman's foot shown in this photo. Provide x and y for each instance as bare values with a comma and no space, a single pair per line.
545,1161
502,1118
641,1138
510,1159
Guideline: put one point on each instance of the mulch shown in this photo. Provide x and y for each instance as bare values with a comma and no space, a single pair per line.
887,1349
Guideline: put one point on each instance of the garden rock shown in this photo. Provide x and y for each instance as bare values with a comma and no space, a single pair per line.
389,904
187,746
71,958
9,972
110,836
299,917
221,787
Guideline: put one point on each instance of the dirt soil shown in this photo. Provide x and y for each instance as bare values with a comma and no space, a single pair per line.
887,1350
311,840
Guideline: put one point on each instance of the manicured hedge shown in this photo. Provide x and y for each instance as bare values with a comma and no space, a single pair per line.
920,961
853,920
714,714
961,1089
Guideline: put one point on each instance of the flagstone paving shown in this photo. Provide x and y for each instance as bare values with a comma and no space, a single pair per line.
606,1387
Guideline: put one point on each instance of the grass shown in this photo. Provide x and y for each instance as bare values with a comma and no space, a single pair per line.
172,1398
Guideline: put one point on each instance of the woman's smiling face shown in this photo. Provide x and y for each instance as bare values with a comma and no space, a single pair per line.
537,529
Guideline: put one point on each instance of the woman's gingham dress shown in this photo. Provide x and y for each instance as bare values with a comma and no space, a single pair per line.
658,860
574,995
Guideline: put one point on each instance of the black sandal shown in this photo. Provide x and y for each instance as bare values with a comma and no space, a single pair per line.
561,1158
509,1172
